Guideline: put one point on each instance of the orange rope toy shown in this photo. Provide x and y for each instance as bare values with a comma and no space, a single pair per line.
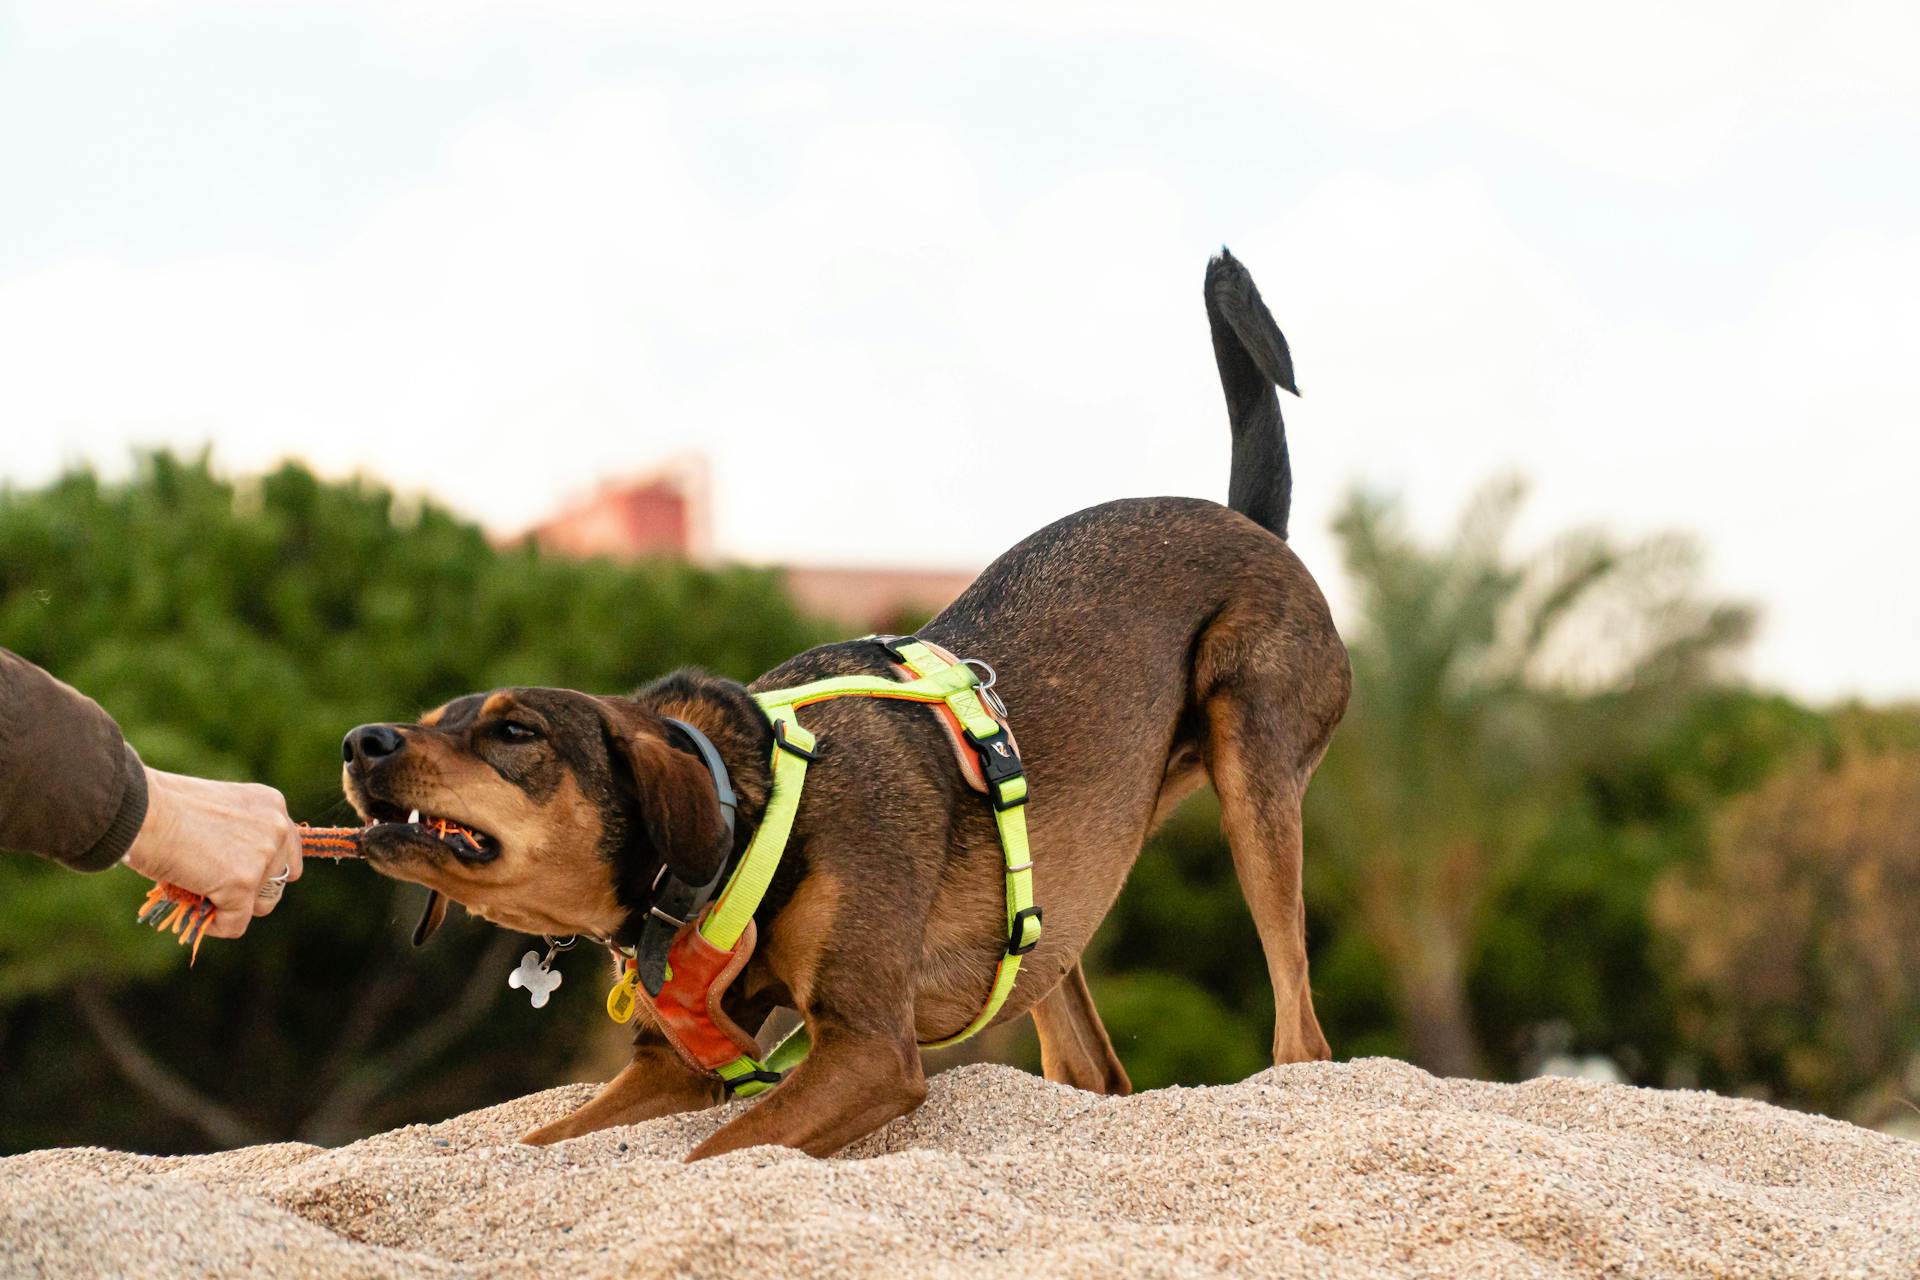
171,909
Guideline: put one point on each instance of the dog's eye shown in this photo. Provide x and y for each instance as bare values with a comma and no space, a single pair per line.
514,731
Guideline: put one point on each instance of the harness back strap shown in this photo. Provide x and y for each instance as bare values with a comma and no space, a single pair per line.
723,933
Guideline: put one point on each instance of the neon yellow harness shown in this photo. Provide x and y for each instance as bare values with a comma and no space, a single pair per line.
728,919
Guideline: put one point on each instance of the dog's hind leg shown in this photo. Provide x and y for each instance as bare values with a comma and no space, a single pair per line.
1261,749
1272,680
656,1083
1074,1048
1260,809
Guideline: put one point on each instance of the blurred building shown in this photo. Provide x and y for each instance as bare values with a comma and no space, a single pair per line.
662,513
666,513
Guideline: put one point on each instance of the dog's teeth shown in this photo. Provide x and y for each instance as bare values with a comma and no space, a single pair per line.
414,816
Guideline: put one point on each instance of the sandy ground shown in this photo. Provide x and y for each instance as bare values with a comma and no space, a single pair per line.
1362,1169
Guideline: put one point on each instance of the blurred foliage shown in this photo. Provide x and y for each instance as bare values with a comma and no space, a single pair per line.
1797,939
1540,748
1486,686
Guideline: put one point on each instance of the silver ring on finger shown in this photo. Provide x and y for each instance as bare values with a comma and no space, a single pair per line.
276,885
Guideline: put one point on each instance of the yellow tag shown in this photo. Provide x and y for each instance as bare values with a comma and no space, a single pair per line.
620,1000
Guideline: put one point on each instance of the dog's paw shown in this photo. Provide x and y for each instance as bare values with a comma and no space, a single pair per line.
548,1134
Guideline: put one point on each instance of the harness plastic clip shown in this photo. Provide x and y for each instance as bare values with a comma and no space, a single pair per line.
758,1076
1000,764
894,644
998,760
780,741
1014,945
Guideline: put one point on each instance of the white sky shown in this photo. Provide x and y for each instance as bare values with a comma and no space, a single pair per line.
1663,259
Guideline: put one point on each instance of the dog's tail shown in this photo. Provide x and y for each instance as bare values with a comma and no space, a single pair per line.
1253,358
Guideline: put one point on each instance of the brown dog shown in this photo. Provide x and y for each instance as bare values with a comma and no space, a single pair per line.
1143,648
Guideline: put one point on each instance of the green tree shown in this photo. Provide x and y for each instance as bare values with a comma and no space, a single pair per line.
1485,685
1795,940
1565,955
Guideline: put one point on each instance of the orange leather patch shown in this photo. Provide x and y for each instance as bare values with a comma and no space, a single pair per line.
963,754
688,1006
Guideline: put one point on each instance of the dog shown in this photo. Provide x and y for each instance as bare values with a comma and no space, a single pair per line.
1143,647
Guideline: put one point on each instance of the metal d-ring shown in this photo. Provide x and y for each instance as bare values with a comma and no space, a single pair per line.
986,685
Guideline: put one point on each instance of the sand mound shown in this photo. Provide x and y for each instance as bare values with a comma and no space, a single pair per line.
1362,1169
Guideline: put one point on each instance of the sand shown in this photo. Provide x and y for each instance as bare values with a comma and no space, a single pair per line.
1369,1168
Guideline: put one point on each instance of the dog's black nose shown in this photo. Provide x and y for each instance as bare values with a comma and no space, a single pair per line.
370,742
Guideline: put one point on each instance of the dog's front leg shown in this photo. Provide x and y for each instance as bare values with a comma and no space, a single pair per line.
1074,1047
656,1083
851,1084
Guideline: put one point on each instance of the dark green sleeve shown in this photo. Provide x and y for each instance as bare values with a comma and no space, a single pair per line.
71,789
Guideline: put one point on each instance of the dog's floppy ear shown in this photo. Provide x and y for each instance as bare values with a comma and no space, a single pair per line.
669,793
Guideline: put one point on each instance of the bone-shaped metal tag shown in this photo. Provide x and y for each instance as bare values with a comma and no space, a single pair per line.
535,978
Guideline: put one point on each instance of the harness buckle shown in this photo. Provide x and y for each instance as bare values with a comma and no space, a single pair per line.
999,763
998,760
1014,948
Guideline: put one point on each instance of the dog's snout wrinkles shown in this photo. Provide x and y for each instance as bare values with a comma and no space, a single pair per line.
370,742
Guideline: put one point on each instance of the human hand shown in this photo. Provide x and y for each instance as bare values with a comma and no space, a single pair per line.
222,840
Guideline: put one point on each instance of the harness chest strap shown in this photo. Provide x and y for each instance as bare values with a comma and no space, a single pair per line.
708,953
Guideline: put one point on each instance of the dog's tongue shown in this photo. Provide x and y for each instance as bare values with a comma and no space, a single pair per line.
431,917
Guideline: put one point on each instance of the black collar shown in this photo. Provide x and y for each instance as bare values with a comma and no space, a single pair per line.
674,903
709,756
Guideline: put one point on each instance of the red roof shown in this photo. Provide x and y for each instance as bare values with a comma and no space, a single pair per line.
665,514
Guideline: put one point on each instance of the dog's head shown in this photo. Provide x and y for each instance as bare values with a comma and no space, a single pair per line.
543,810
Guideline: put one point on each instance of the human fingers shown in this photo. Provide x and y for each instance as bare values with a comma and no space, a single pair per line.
233,904
292,856
273,887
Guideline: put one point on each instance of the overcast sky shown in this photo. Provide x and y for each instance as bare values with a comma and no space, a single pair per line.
1663,259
